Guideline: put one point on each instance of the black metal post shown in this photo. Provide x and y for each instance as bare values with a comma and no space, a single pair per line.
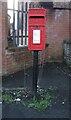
22,24
18,25
14,41
26,7
35,72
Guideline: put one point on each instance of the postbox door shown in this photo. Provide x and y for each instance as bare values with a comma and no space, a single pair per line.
36,38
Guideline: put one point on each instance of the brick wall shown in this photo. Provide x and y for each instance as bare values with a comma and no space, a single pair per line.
3,32
4,25
70,25
57,32
0,37
62,4
20,58
17,59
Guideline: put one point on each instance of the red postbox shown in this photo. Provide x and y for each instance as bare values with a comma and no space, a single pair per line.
36,28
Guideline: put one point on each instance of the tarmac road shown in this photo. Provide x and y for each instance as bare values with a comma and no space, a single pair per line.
51,77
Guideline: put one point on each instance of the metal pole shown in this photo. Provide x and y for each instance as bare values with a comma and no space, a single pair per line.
22,24
18,25
26,5
35,72
14,41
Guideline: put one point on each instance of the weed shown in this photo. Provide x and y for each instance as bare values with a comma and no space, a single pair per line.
40,104
18,94
7,98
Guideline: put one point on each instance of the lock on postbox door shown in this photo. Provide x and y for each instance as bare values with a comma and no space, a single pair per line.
36,28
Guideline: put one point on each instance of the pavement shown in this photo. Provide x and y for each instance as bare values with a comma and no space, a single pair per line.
52,75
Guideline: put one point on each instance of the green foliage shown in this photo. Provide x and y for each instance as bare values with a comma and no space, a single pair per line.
18,94
41,104
7,98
